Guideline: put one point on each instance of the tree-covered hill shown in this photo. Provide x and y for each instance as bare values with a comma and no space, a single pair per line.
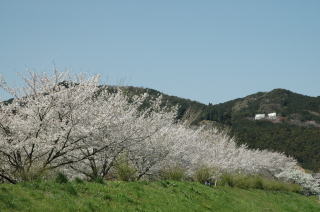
291,107
296,131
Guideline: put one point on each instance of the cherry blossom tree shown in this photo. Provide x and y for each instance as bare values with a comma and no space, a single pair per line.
45,122
72,123
129,130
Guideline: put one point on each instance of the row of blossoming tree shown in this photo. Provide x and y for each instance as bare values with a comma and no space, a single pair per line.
72,124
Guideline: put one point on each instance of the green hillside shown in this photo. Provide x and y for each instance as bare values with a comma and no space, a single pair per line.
296,131
147,196
294,108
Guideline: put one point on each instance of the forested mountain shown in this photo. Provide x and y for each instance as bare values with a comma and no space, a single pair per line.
295,130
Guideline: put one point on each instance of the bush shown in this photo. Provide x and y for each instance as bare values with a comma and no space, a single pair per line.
173,173
33,174
78,180
203,174
257,182
244,182
99,180
125,172
227,180
61,178
281,186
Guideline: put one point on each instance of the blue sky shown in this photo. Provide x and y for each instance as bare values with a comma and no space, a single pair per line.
209,51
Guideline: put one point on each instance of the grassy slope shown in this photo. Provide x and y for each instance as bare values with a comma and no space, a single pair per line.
142,196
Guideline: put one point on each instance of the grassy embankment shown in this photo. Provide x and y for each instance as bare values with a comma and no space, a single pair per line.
147,196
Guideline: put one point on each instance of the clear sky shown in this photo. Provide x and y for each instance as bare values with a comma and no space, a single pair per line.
205,50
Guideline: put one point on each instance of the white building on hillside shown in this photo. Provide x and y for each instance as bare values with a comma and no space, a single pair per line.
272,115
259,116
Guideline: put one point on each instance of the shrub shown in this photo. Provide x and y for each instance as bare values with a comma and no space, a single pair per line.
99,180
61,178
124,171
227,180
204,174
32,174
173,173
281,186
257,182
240,181
78,180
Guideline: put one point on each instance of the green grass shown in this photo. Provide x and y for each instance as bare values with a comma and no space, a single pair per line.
147,196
